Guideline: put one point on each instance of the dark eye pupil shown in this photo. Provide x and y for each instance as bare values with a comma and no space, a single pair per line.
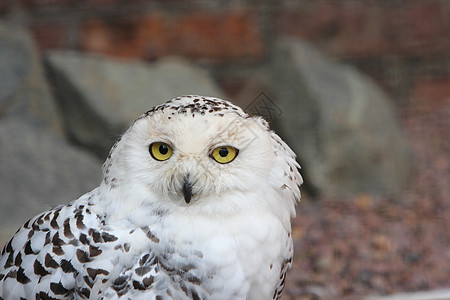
163,149
223,152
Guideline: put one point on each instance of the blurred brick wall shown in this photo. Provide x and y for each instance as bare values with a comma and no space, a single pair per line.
403,44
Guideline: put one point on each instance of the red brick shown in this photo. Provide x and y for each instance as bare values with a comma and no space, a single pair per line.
153,37
359,33
50,34
314,22
346,28
97,36
433,91
218,37
355,28
66,3
4,6
418,28
42,3
199,35
145,37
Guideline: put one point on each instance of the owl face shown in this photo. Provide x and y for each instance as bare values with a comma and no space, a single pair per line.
195,152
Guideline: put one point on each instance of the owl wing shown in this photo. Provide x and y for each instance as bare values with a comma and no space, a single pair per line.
37,261
71,252
279,290
290,183
58,254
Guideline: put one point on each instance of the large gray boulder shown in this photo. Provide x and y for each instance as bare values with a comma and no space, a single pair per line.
39,170
101,96
23,89
339,122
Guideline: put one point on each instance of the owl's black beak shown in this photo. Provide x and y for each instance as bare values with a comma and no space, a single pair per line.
187,189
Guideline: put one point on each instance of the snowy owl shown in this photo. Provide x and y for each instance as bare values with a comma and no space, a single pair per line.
195,202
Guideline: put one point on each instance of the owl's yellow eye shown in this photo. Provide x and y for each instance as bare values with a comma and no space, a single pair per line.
160,151
224,154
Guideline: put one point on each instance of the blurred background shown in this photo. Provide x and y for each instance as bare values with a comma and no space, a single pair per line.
360,89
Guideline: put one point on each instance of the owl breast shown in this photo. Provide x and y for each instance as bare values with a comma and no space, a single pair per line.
247,251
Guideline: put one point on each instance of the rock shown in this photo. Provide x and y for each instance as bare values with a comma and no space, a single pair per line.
341,125
100,97
39,170
23,89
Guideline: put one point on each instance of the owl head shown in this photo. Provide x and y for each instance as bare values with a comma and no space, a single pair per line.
204,155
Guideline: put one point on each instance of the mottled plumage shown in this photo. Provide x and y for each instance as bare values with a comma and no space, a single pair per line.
195,203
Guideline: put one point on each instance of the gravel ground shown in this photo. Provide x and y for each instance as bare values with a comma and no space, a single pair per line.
379,245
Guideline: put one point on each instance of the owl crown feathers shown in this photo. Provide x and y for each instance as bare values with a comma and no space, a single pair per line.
195,104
